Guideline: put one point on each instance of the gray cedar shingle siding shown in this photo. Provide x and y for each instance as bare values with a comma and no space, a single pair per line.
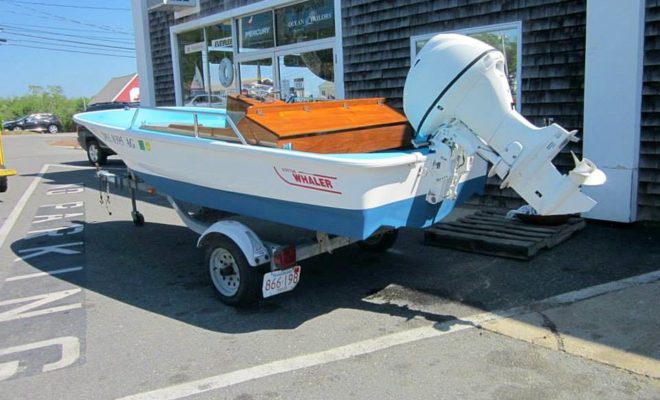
159,27
377,35
649,157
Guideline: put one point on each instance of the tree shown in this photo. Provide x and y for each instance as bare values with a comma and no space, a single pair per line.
38,99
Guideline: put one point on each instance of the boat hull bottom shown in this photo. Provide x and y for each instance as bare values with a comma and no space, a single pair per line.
357,224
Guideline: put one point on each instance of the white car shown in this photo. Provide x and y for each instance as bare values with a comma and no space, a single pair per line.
202,100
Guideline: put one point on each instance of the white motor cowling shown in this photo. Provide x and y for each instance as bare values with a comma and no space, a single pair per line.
457,94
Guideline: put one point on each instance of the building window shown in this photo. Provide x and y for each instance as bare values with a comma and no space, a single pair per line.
307,76
507,38
257,78
311,20
286,52
206,65
221,62
191,64
256,32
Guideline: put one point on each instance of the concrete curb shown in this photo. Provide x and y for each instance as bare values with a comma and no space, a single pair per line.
617,327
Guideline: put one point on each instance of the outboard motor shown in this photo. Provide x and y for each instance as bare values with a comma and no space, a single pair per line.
457,96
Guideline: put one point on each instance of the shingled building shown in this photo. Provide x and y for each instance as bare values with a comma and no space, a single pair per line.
590,65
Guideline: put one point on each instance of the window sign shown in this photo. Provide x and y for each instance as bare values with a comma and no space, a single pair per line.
256,31
311,20
223,44
194,48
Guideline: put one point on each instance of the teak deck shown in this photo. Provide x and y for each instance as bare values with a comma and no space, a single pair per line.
339,126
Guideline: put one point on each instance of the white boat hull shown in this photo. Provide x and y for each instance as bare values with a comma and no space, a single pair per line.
348,195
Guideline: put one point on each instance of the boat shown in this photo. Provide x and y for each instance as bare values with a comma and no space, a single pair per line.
354,167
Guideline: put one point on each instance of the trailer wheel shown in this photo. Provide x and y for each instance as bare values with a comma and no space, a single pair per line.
3,184
235,281
95,153
380,242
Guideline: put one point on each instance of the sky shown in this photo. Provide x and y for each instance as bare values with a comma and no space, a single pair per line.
63,30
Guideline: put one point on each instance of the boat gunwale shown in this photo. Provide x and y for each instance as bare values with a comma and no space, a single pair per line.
414,157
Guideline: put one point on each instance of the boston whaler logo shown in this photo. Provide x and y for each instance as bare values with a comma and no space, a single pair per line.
307,180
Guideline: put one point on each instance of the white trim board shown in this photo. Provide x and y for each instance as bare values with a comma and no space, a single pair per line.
613,104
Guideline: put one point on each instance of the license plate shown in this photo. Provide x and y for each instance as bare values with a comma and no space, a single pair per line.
277,282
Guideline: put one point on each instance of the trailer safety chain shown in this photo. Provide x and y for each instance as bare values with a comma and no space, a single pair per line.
107,194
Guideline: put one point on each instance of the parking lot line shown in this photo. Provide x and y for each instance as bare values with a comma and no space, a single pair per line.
18,209
39,274
9,223
383,342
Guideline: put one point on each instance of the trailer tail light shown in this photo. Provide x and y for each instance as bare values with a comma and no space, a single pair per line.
285,257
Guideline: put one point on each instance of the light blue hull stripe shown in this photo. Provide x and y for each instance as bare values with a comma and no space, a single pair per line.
358,224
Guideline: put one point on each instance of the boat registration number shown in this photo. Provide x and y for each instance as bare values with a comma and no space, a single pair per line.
277,282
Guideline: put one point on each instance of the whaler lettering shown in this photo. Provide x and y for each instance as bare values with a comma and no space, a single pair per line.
307,180
312,180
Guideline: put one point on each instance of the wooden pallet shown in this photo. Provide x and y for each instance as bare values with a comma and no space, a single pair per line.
491,233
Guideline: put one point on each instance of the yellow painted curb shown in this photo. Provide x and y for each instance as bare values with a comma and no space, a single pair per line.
529,327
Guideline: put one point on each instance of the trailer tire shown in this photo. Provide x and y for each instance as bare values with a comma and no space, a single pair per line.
95,153
3,184
236,283
380,242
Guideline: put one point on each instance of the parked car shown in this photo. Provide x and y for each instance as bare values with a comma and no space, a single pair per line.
202,100
97,151
39,122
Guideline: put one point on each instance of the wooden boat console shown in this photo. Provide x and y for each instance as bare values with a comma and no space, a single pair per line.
338,126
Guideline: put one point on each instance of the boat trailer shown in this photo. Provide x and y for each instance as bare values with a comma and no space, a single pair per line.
242,265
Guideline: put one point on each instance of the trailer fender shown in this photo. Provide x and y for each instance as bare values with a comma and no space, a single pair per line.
252,247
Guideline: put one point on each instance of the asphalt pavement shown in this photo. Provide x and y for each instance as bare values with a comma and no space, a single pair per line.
93,307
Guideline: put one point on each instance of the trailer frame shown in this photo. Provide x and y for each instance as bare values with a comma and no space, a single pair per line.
236,255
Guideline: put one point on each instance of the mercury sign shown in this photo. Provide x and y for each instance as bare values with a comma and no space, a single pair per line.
257,31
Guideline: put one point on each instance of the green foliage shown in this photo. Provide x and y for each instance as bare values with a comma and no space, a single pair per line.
40,100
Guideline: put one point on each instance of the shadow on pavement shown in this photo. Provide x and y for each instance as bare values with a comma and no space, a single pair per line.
111,163
157,268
